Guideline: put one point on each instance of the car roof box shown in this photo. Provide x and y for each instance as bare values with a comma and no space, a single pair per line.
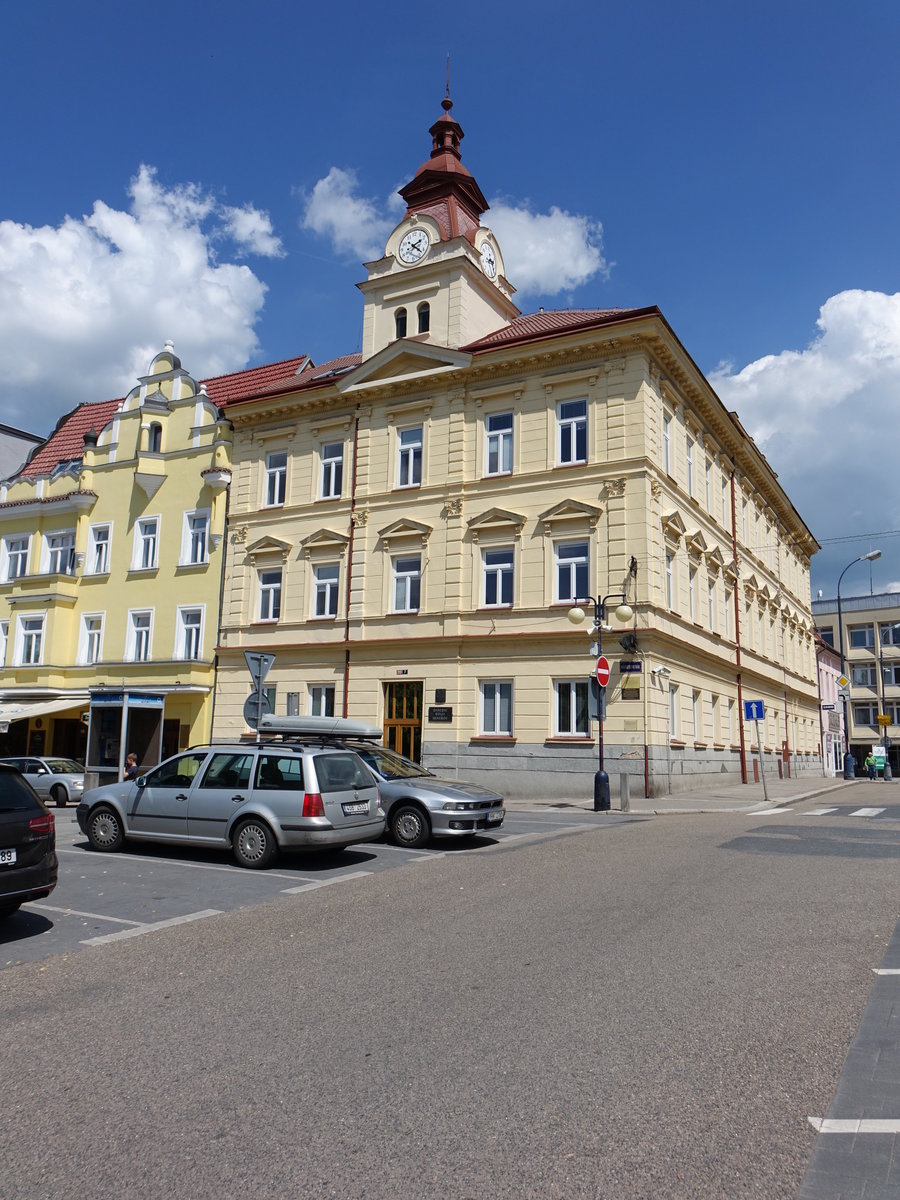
320,727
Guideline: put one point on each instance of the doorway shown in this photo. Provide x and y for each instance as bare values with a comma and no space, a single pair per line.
403,718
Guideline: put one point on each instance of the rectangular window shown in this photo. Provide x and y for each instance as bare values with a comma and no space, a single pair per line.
826,632
407,583
276,478
862,637
292,704
670,580
321,700
708,470
496,709
725,503
711,596
731,721
60,551
332,470
91,638
667,443
189,636
865,714
498,577
499,444
409,467
98,550
697,716
270,595
4,642
891,675
673,710
195,538
31,641
729,599
16,553
892,708
146,544
692,587
890,634
863,676
571,570
139,630
326,589
572,712
745,523
689,462
572,426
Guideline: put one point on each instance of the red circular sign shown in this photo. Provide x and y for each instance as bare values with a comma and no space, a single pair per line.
603,670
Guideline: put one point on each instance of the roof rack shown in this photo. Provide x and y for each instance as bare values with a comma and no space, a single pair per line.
319,727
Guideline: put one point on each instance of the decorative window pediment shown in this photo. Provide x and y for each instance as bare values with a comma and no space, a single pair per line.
674,527
405,531
572,513
268,547
325,540
714,561
496,520
696,544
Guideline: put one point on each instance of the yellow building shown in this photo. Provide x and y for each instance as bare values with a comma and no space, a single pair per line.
410,527
110,569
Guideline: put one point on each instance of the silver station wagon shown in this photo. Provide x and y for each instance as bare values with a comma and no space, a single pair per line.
253,799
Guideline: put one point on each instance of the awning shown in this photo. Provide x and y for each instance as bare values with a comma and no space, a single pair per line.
21,710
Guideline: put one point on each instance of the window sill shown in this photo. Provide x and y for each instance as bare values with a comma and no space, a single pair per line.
568,466
677,744
701,745
190,566
503,739
143,570
570,739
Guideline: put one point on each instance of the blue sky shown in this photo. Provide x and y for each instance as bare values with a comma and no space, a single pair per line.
217,173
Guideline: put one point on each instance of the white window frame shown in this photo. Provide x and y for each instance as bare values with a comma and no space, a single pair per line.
99,549
692,581
494,695
571,559
498,574
689,462
667,443
90,640
712,596
331,455
139,637
865,714
15,552
58,552
868,641
708,479
864,675
498,444
4,642
673,710
275,479
194,538
574,695
269,593
571,427
729,600
410,453
697,714
724,502
326,589
189,635
146,544
26,655
292,704
670,581
406,580
321,699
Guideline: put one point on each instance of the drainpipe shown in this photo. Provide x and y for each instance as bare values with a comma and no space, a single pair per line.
224,544
346,699
737,627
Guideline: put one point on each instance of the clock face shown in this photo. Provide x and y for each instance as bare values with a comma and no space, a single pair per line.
413,246
488,261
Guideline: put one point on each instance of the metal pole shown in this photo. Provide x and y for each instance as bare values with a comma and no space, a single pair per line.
602,802
762,769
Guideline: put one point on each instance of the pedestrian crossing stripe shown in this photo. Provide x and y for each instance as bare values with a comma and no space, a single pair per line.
854,1125
867,812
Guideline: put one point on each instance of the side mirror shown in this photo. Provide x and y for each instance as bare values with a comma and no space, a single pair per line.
141,781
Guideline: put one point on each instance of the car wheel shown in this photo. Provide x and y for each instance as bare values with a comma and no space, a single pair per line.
409,826
7,908
60,795
253,843
104,829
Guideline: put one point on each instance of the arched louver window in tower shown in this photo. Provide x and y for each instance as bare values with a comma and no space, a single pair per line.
424,311
400,322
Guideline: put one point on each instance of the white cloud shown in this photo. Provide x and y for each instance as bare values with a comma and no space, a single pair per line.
354,223
547,253
250,228
85,305
825,417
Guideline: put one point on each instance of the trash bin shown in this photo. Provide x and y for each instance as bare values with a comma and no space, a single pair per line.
849,766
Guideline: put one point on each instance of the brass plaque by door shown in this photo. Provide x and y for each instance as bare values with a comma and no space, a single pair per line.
403,718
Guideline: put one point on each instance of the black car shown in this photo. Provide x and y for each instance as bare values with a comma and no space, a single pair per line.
28,862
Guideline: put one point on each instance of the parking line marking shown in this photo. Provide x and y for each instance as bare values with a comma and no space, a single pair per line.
856,1125
867,812
151,928
505,839
74,912
174,862
320,883
886,970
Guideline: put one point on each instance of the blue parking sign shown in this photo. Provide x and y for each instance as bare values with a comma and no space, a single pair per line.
754,710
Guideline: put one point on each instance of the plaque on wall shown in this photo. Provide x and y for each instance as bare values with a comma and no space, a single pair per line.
440,714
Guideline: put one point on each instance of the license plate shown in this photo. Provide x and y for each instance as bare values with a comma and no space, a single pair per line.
7,858
493,818
352,809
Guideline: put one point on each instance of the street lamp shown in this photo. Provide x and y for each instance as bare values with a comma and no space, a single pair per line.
623,613
870,557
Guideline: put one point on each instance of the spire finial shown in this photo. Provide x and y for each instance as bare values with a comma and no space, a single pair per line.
447,103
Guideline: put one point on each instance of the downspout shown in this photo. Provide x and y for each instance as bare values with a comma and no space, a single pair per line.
346,700
737,627
212,710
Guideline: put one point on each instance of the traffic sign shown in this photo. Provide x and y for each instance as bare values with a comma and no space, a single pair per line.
603,670
754,710
258,665
843,681
255,706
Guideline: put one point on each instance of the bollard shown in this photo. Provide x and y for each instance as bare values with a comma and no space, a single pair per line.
601,792
624,793
849,766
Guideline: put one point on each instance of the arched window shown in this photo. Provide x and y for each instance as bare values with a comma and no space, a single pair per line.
424,312
400,321
154,440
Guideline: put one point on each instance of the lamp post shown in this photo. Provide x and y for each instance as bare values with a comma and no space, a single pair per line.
870,557
623,613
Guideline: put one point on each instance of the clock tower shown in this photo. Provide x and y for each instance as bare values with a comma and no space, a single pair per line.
441,280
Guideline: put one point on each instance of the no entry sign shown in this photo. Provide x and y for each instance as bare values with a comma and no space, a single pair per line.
603,670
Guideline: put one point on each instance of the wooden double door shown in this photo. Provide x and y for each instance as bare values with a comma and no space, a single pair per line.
403,718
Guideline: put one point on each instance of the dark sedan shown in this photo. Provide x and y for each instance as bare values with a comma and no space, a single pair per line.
28,862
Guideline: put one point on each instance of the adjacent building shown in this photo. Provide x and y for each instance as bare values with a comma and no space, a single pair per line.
411,526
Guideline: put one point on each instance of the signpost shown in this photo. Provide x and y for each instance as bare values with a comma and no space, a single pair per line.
755,711
256,705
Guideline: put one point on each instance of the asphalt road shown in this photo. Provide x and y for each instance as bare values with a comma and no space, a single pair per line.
649,1009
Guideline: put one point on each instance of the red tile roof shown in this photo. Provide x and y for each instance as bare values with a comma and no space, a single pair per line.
534,326
315,375
225,389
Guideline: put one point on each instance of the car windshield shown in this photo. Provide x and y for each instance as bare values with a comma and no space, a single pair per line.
64,766
389,765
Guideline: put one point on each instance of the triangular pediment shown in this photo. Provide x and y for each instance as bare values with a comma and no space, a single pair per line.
571,511
411,532
401,361
497,520
696,543
268,547
714,559
673,525
324,539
